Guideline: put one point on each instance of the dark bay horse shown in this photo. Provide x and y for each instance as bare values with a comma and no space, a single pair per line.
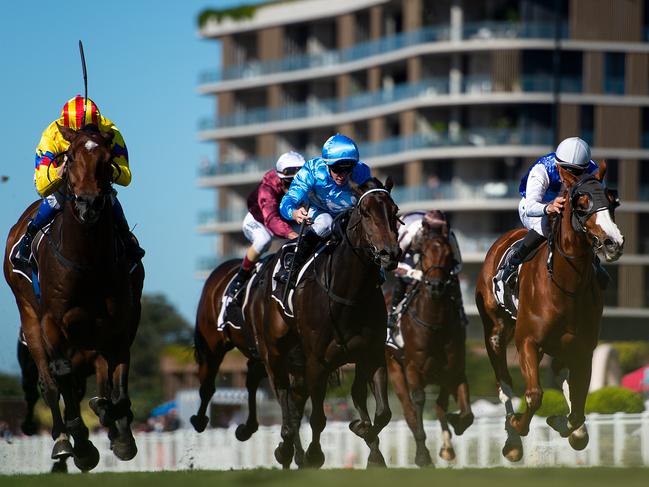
89,301
559,312
211,345
434,344
339,317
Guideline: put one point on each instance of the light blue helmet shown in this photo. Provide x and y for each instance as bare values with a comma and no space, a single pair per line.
339,148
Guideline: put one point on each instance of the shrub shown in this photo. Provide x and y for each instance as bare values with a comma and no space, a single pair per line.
609,400
553,404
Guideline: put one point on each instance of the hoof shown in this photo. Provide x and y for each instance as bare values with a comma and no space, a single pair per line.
361,428
447,454
125,450
314,458
59,466
284,454
100,406
559,424
460,422
513,450
579,438
29,428
62,450
200,423
87,457
422,458
243,433
376,460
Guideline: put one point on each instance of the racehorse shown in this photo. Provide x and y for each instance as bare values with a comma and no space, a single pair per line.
559,311
89,301
339,317
434,344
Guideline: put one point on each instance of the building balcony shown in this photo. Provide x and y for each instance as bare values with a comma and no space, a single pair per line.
457,190
385,46
217,174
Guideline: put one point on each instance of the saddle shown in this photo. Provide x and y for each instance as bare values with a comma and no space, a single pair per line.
231,313
507,296
30,271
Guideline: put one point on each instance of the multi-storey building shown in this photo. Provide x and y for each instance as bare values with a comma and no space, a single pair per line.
452,98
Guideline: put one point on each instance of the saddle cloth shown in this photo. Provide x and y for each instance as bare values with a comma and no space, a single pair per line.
231,313
30,272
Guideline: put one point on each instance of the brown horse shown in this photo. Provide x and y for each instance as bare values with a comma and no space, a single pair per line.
559,311
89,301
211,345
434,344
339,318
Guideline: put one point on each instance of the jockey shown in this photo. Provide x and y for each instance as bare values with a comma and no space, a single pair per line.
540,189
324,182
263,221
50,169
412,224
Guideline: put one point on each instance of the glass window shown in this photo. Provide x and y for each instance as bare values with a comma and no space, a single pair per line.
614,73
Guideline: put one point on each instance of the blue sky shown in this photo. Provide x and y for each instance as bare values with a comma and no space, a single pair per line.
143,59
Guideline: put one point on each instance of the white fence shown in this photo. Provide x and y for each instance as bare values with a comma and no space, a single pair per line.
615,440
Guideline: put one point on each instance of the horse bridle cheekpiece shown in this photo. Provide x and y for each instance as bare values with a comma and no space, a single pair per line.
374,252
597,201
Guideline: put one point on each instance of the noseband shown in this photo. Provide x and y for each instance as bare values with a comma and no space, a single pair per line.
373,252
597,199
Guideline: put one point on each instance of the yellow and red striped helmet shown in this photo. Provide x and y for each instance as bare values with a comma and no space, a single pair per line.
72,114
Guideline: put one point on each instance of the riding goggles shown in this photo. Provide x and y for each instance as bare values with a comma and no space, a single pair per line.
288,172
343,167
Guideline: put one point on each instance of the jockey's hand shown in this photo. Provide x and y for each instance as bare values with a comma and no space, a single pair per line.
60,171
300,215
556,206
292,235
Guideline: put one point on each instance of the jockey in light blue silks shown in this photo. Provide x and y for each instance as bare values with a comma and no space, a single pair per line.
324,183
540,189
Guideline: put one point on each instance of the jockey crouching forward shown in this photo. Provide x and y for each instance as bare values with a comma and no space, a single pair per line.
263,221
324,182
406,274
540,189
50,167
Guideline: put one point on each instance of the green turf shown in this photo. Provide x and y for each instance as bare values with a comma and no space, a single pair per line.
500,477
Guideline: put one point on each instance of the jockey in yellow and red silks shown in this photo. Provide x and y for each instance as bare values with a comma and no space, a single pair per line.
49,171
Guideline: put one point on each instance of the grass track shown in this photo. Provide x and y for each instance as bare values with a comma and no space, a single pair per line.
500,477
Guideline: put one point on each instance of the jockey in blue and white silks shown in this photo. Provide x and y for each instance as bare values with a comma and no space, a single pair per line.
323,182
540,189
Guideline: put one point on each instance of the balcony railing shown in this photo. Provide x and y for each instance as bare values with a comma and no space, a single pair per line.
457,190
397,145
475,30
222,215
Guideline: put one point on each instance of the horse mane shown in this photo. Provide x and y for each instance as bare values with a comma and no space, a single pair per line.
359,189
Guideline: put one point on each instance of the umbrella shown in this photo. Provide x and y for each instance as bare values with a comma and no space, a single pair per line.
638,380
162,409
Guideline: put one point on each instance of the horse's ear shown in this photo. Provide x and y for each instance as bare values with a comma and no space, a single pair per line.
567,177
389,183
67,133
445,230
108,136
602,170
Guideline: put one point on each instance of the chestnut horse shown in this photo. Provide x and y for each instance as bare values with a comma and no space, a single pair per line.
339,318
89,301
434,344
559,311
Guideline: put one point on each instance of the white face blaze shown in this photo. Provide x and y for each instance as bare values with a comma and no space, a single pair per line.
608,226
90,145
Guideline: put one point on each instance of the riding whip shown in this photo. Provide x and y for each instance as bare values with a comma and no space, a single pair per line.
85,81
297,247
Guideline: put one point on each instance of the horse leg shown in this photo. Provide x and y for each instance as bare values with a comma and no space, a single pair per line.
446,451
464,419
256,373
529,358
207,370
100,404
418,395
382,415
279,377
120,434
422,457
29,384
497,335
317,383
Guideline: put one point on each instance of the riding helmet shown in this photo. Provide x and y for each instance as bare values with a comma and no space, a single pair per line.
72,115
339,148
573,152
289,164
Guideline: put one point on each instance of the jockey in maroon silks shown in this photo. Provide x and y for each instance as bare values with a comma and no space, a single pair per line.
263,221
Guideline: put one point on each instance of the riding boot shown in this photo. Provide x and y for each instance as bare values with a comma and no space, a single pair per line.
398,293
134,252
529,243
456,297
601,274
238,282
44,216
308,244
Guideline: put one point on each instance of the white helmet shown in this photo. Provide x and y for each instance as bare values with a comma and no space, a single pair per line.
289,164
573,152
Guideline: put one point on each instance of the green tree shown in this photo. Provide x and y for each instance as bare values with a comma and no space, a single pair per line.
160,326
10,386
